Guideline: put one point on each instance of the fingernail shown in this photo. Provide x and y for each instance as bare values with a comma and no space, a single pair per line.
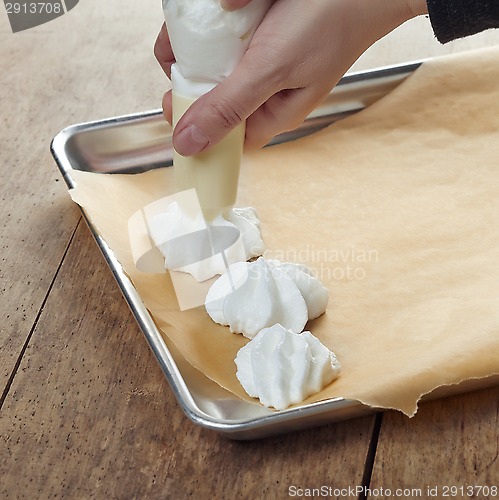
190,141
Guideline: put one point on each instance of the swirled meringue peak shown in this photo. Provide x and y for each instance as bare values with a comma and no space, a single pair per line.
251,296
281,368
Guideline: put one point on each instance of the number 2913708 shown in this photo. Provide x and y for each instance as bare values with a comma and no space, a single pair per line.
33,7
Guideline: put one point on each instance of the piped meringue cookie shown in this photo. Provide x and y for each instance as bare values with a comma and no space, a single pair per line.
280,367
252,296
189,245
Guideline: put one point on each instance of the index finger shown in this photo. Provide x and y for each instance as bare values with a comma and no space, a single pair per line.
163,51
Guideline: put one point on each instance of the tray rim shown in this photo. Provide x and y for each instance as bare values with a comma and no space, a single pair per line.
251,428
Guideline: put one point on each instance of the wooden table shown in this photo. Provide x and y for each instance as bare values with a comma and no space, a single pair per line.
85,409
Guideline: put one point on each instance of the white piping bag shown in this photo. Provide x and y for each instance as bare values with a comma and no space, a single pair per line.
208,43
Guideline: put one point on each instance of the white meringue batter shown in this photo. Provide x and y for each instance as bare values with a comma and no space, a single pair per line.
281,367
251,296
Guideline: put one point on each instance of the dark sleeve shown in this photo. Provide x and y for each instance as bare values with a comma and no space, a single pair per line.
453,19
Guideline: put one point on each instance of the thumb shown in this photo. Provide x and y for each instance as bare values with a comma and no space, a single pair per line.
211,117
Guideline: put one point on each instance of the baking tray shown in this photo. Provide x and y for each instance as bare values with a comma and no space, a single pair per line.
140,142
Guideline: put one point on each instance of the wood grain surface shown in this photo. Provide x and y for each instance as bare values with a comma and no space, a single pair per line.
90,413
450,442
85,409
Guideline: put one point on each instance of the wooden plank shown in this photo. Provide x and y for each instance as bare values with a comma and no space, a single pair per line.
37,223
453,442
51,78
28,263
90,414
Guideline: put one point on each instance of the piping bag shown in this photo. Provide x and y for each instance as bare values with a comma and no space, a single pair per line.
208,43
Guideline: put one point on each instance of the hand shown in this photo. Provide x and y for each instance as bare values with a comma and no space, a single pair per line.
295,58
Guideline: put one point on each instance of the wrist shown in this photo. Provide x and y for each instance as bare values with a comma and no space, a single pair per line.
380,17
417,7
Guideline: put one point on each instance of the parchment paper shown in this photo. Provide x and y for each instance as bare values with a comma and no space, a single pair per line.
396,209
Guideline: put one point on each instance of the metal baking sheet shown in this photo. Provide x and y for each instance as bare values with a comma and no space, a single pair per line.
140,142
